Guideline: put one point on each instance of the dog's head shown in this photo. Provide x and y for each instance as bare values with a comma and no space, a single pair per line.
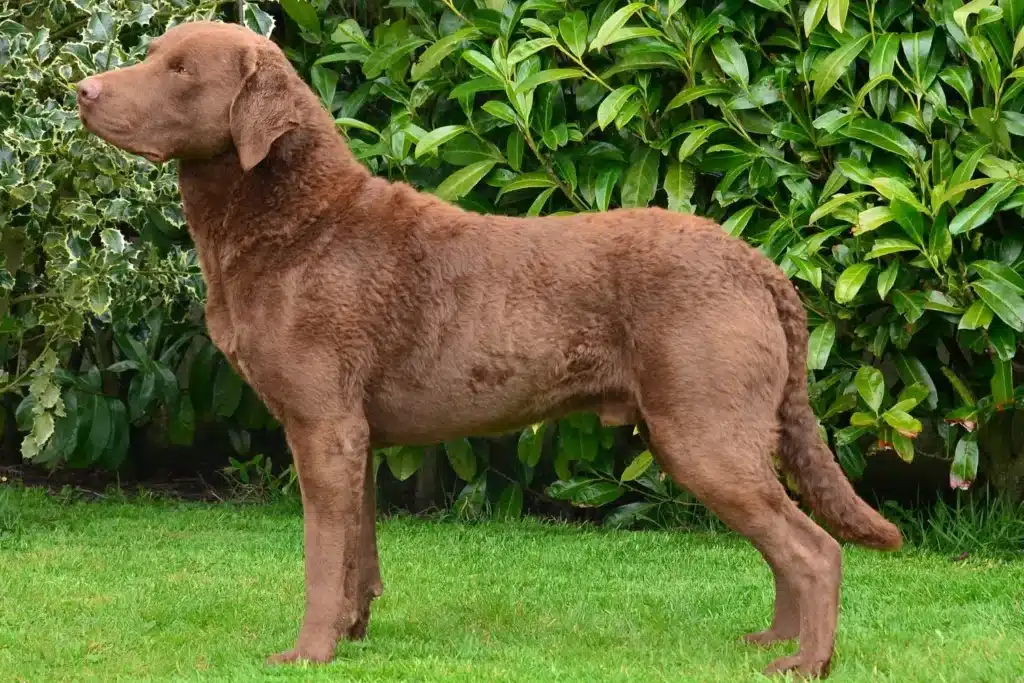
203,88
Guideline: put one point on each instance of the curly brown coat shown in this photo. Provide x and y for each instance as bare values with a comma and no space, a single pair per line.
365,313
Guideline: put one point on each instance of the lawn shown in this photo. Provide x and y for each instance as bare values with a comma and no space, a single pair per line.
196,592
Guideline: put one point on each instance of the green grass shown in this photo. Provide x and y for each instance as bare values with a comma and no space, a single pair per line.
172,591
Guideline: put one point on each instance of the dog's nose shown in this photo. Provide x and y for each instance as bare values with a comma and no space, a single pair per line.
88,89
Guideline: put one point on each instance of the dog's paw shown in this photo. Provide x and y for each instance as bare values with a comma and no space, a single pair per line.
768,638
320,655
799,665
357,631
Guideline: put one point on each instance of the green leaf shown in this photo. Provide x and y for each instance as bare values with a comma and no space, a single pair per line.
959,78
813,15
585,492
1004,341
871,386
573,29
500,110
637,467
403,461
613,23
978,316
882,135
526,48
862,419
183,422
887,278
538,203
325,82
436,53
850,282
1003,301
641,180
819,345
994,270
695,93
458,184
886,246
527,181
872,219
227,391
965,171
141,392
461,458
387,55
904,446
437,137
834,203
883,55
626,515
730,57
893,189
902,422
737,222
1002,383
100,428
837,10
547,76
981,210
530,446
344,122
961,15
835,64
483,63
514,148
113,240
510,504
938,301
303,14
679,186
982,52
607,178
613,103
909,220
964,469
697,138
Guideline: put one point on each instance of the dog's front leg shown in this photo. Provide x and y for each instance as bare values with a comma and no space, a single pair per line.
331,460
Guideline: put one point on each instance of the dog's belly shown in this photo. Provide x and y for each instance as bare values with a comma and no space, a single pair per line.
494,395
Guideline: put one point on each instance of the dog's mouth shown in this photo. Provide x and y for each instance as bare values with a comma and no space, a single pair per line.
115,134
153,157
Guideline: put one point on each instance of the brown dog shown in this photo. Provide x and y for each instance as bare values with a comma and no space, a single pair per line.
365,313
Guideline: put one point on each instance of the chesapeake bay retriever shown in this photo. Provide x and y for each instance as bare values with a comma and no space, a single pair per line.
365,313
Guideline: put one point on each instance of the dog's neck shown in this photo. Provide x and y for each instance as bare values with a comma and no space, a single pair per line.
206,187
213,190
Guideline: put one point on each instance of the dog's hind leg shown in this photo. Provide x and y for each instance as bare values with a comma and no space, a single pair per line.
330,455
370,586
723,458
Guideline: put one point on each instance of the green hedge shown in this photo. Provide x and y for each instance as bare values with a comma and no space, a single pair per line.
871,149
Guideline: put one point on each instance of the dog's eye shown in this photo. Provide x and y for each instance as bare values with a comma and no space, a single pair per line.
179,68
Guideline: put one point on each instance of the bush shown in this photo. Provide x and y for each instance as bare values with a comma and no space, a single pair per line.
869,148
100,289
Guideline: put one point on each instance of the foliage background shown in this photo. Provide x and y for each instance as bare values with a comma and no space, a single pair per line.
870,148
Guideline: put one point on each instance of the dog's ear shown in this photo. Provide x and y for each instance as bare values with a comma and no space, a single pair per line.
263,109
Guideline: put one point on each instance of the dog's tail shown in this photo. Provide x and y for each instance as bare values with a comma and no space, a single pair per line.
822,484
